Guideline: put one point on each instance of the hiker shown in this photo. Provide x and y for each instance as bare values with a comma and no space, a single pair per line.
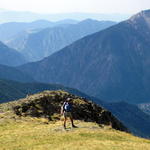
66,111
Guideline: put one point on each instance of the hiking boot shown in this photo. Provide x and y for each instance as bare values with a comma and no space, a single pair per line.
73,126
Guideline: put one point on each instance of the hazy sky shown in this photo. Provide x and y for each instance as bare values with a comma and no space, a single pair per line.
61,6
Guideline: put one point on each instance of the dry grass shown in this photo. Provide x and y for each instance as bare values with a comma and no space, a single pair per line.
39,134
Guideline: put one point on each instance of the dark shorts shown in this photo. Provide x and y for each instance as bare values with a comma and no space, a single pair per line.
67,114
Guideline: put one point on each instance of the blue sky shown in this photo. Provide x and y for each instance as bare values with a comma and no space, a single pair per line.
65,6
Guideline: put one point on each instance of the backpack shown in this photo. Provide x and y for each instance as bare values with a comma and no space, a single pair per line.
67,107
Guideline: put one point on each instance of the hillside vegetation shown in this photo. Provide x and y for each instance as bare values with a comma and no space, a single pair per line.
47,104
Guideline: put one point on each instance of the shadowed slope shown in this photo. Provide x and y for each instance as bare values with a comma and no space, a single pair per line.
111,64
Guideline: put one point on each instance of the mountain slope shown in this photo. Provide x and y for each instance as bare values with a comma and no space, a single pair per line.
132,117
10,56
12,90
111,64
39,134
17,33
10,29
11,73
35,46
145,107
18,41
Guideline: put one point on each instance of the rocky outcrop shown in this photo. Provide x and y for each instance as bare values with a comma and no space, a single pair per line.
48,103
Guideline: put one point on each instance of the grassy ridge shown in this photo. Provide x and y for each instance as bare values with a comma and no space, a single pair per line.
31,133
39,134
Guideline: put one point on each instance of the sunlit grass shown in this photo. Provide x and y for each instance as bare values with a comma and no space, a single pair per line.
27,133
38,134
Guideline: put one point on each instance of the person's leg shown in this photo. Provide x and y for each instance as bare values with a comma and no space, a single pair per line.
71,119
65,119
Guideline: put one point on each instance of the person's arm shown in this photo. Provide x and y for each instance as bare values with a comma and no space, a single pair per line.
62,109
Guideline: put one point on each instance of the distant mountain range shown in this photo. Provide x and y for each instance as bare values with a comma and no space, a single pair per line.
11,16
111,64
37,45
11,29
10,57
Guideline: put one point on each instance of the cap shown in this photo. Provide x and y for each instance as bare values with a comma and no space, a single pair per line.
68,99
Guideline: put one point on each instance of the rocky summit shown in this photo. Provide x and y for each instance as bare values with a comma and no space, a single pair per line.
47,104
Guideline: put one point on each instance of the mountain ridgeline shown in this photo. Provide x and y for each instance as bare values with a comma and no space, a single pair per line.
37,45
11,29
21,16
111,64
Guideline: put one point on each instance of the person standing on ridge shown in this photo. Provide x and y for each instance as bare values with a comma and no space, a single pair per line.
66,111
